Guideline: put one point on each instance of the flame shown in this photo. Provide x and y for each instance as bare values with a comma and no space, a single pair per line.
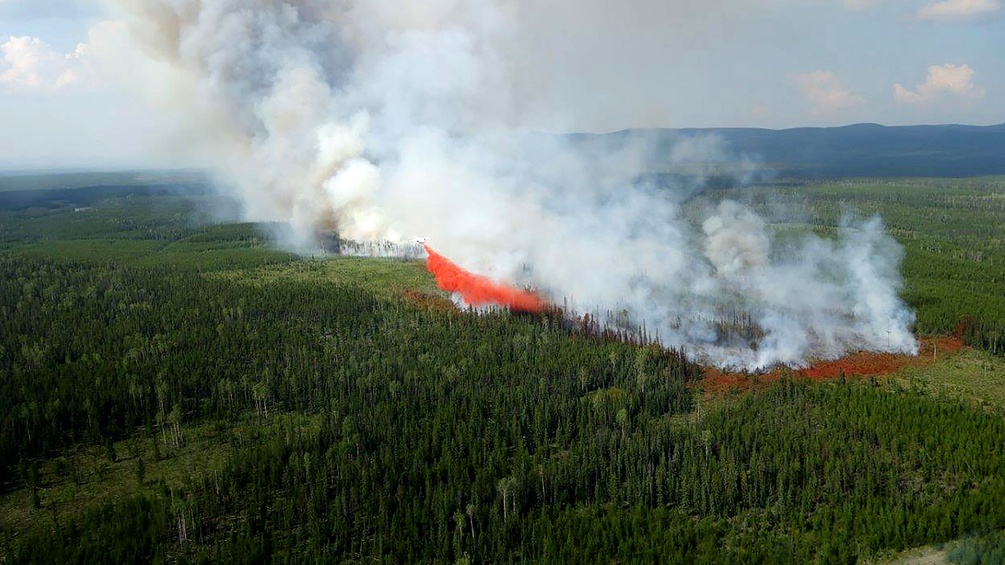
478,290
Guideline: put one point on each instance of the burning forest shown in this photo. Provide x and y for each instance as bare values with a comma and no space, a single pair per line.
382,124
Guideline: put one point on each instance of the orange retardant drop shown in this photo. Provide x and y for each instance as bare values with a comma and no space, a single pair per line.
478,290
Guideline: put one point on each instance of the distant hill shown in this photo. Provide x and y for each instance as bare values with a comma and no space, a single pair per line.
57,189
861,150
59,179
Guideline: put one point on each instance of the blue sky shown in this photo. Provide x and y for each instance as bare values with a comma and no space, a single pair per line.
590,66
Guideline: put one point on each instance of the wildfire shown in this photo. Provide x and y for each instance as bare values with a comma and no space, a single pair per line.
477,290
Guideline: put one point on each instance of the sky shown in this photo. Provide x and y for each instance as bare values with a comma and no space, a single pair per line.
584,65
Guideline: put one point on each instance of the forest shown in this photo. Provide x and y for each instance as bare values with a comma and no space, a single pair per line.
176,390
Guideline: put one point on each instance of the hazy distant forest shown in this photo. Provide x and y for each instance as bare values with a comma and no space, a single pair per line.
173,389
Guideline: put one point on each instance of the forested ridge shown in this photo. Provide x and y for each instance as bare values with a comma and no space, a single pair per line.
172,392
363,427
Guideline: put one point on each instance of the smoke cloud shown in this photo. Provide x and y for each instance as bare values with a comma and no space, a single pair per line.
385,120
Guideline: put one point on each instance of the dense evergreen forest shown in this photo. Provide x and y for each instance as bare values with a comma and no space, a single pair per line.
175,392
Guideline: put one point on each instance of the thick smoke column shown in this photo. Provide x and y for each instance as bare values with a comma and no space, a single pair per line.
386,119
476,290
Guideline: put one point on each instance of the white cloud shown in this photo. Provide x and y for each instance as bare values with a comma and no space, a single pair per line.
22,57
28,63
942,80
826,92
959,10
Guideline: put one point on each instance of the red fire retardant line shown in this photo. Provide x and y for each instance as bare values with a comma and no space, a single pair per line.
478,290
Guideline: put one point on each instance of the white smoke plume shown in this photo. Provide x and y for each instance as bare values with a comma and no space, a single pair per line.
387,119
